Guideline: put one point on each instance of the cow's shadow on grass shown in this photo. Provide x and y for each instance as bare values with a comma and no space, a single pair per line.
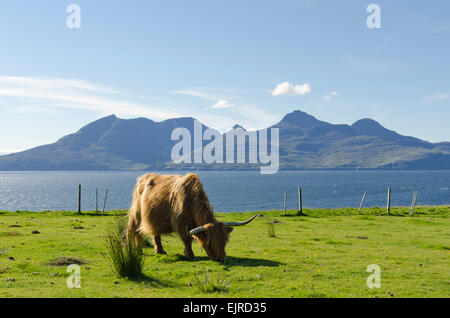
231,261
152,281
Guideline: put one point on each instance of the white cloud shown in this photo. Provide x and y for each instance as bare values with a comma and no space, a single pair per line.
197,92
6,151
203,92
223,103
436,98
248,115
52,83
38,92
38,95
328,96
287,88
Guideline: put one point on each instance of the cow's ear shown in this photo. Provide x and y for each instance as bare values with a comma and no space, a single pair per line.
229,229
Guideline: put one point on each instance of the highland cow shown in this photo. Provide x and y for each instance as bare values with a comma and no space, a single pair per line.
164,204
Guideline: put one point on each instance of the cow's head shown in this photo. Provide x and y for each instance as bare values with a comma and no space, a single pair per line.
213,237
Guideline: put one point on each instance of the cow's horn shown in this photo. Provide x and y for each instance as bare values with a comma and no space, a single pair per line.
197,230
202,228
241,223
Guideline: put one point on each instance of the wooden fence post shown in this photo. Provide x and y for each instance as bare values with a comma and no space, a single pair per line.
104,203
362,202
300,202
388,207
285,197
413,204
96,201
79,199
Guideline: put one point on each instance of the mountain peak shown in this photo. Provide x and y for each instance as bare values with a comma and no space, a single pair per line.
90,133
300,119
239,126
366,122
371,127
108,120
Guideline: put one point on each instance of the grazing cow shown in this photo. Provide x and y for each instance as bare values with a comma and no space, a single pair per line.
164,204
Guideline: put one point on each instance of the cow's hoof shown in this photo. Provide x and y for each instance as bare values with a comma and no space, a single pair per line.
161,252
189,254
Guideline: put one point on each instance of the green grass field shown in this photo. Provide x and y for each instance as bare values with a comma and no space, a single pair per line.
322,254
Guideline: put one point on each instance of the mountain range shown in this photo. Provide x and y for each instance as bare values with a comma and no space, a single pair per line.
112,143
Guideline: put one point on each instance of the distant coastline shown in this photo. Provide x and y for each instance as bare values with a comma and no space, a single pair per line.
305,143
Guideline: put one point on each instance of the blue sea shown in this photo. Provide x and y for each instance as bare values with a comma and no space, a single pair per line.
229,190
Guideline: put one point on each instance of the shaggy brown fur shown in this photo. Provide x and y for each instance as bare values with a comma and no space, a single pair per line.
164,204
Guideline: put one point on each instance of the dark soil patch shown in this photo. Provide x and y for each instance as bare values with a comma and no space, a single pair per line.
10,234
65,261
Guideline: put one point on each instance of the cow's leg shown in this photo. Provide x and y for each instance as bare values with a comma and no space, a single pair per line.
158,245
187,240
188,249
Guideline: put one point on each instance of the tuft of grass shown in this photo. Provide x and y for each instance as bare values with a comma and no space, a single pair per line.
126,259
219,285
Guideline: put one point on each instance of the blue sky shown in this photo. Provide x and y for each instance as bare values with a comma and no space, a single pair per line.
223,62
